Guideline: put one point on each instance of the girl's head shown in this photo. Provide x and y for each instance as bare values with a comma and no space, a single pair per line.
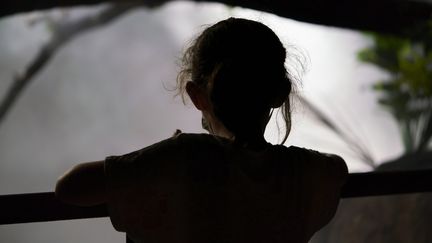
234,72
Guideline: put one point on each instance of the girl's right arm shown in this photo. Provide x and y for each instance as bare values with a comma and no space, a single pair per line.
83,185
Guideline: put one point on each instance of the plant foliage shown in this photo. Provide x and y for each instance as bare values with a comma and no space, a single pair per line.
407,92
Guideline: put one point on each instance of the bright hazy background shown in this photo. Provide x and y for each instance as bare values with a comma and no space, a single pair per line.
105,93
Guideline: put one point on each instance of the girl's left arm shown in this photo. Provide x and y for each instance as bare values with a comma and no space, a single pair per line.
83,185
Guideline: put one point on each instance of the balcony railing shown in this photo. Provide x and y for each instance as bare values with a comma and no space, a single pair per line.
42,207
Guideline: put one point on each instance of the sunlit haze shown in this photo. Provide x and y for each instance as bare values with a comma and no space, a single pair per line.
107,92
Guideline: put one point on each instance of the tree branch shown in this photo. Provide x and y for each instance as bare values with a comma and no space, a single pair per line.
353,143
64,31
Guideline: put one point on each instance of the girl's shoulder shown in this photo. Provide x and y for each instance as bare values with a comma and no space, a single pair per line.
312,163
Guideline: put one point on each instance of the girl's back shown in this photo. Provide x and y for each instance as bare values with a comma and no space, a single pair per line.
204,188
231,186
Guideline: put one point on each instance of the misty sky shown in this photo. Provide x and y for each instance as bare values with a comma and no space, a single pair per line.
105,93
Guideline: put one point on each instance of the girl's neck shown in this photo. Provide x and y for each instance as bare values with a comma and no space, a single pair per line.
254,143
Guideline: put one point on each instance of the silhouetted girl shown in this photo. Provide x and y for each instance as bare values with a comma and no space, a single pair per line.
229,186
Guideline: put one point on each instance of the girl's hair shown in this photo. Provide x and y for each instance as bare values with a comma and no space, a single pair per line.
241,63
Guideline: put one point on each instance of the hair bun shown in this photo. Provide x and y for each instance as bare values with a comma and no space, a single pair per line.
239,83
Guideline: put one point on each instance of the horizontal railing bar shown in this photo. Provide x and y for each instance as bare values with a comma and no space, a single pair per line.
381,183
41,207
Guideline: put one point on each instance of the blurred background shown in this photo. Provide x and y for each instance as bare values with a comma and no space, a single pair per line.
79,84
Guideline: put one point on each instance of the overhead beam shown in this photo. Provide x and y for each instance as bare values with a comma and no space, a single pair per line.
388,16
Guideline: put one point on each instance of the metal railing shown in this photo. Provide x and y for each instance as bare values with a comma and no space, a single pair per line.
42,207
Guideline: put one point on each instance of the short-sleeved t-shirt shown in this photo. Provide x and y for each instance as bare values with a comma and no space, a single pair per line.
199,188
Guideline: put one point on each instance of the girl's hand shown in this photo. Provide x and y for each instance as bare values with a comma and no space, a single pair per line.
177,132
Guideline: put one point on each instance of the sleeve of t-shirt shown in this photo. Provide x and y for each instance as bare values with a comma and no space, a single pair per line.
330,167
135,196
329,172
